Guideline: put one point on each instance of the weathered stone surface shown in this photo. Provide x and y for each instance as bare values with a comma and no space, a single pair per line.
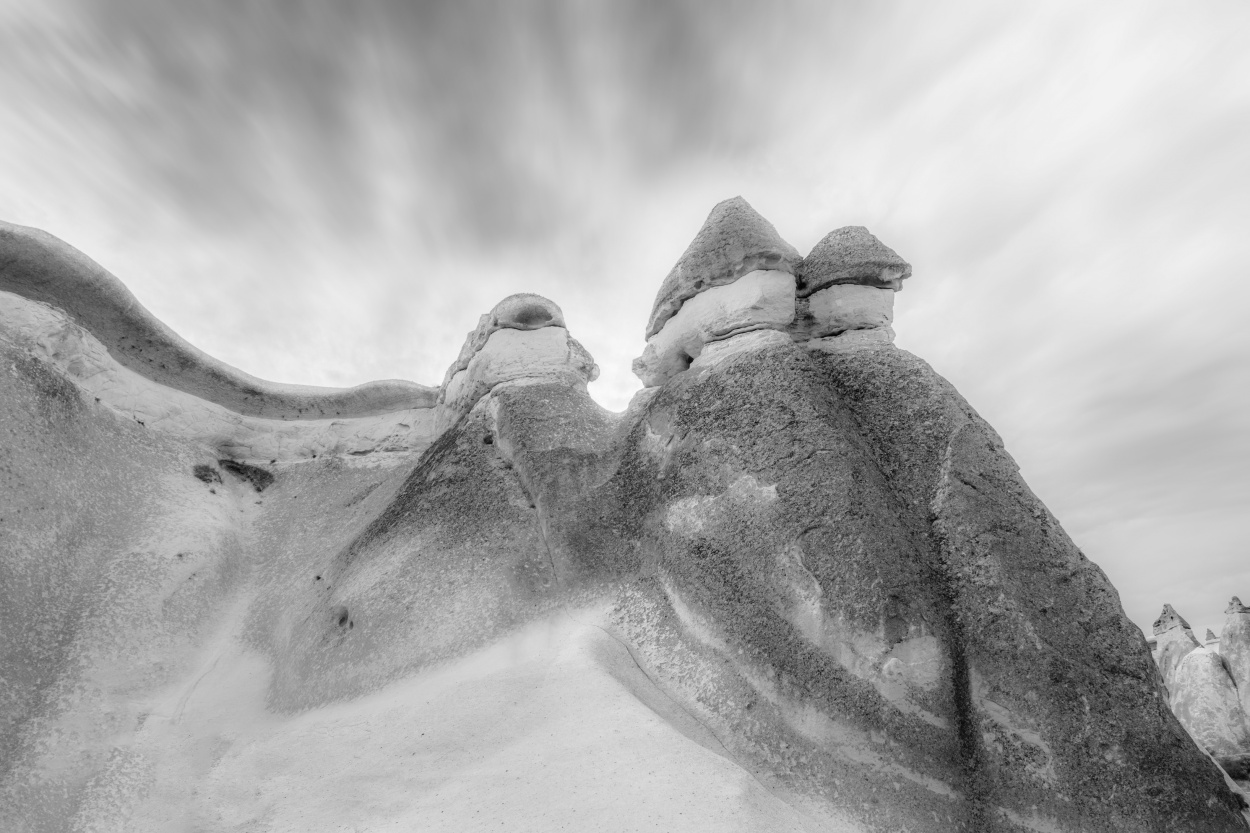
756,301
1204,700
1173,641
836,309
805,583
1235,647
1169,619
40,267
522,311
509,354
851,255
734,241
852,340
50,334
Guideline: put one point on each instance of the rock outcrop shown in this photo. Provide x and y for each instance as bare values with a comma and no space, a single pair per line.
1203,691
40,267
739,276
734,241
523,337
799,577
1205,701
1174,640
1235,647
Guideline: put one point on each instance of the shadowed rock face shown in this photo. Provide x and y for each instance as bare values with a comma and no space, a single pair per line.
808,568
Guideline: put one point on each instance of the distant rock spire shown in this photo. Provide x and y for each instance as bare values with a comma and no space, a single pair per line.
1235,647
851,255
1174,641
1169,619
733,241
1210,637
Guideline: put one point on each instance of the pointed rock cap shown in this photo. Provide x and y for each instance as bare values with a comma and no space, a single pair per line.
734,240
1169,619
1235,606
1210,637
522,311
851,255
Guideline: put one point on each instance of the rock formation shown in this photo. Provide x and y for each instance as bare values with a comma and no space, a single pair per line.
1203,691
738,277
1235,647
1173,642
798,584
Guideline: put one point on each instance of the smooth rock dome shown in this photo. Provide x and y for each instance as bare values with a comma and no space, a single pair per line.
851,255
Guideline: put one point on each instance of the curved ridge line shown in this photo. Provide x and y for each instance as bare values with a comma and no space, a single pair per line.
42,267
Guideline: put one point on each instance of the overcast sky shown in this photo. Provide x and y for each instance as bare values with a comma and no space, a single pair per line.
328,193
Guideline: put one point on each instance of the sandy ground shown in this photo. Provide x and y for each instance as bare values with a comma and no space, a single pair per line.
553,728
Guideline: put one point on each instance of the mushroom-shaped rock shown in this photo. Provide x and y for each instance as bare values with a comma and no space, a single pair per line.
846,284
851,255
522,311
1235,647
734,241
1204,700
1174,642
760,300
523,337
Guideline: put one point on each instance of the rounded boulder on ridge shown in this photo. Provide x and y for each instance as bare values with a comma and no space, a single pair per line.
851,254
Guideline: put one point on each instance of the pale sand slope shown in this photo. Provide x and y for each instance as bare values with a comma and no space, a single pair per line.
552,728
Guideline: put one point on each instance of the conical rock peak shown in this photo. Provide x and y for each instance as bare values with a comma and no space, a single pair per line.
734,241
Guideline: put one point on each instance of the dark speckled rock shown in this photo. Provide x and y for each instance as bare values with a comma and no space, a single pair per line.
853,586
734,240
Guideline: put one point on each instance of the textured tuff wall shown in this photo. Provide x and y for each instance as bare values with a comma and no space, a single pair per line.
797,585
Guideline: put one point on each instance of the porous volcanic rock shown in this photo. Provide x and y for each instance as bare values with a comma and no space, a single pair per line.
734,241
797,586
1235,647
851,255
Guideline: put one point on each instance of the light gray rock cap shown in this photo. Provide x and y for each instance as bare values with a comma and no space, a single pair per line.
1169,619
851,255
1235,606
734,241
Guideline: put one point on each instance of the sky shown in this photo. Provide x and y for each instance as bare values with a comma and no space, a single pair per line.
329,193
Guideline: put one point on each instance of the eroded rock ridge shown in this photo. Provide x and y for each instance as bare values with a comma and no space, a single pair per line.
799,577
